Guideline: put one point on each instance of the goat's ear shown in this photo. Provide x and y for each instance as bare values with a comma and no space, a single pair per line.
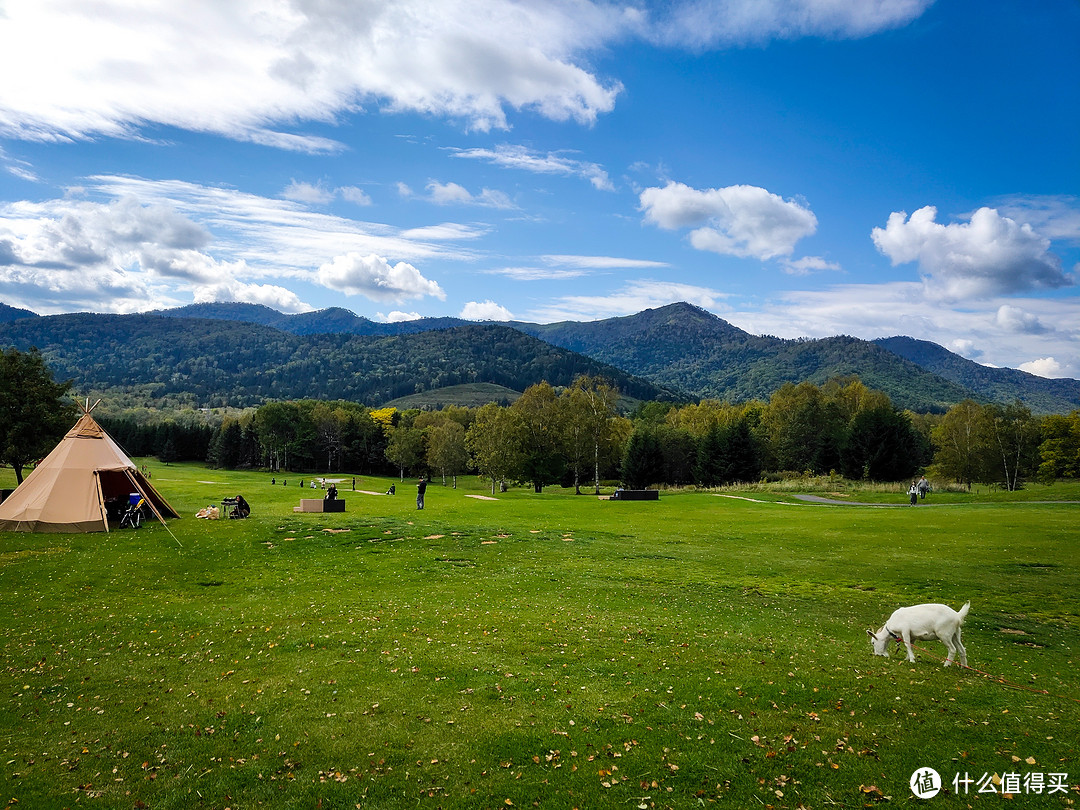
871,633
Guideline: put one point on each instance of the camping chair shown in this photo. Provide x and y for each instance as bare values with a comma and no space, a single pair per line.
133,515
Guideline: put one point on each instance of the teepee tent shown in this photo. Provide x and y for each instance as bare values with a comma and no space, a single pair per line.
69,489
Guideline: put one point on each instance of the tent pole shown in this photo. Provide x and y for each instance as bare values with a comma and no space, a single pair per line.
101,500
145,497
150,503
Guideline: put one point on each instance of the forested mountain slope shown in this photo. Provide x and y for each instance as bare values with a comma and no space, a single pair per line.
685,347
1040,394
244,353
149,359
332,321
14,313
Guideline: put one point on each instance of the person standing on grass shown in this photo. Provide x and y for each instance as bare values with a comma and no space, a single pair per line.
924,487
421,488
913,493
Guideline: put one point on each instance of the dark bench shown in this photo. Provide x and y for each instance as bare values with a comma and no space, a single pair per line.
636,495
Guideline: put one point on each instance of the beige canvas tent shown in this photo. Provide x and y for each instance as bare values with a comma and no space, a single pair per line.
68,491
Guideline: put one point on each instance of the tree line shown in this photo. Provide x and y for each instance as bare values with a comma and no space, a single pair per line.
574,436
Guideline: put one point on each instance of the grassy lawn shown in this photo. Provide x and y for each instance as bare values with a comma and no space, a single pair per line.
538,650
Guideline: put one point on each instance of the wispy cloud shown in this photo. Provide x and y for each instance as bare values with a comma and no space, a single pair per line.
308,193
241,70
322,194
129,244
601,262
455,194
561,267
701,25
445,232
509,156
1054,216
807,265
251,71
17,168
538,273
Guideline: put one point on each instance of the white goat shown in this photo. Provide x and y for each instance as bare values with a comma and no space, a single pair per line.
923,623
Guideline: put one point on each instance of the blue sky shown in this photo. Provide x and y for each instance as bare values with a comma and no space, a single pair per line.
798,167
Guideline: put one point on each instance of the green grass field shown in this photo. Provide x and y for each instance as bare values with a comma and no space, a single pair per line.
536,650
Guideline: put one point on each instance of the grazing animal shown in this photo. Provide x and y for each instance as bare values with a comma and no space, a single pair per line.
923,623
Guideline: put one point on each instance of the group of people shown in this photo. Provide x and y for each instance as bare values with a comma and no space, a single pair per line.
332,493
322,483
918,490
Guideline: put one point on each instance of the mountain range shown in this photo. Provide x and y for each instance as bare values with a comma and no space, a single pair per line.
241,354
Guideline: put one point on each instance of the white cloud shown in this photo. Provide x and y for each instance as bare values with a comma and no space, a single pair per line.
1014,319
273,236
744,221
634,297
807,265
964,347
398,317
355,195
241,69
485,311
443,193
269,295
1043,367
320,194
449,193
309,193
118,256
519,157
124,244
375,278
990,255
246,70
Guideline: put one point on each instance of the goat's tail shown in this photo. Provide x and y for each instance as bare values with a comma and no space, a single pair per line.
964,611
